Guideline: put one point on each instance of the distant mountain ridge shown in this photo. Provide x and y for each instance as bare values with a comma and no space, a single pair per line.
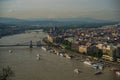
91,20
22,21
9,20
49,20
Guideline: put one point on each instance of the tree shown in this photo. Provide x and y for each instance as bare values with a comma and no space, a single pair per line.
6,73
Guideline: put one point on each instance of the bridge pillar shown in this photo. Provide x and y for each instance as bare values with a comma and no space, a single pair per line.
38,43
31,46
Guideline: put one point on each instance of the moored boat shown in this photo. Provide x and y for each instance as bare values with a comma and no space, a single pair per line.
117,73
95,66
98,73
43,48
87,62
61,54
101,67
68,56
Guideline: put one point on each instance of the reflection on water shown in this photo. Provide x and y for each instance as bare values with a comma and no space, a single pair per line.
50,66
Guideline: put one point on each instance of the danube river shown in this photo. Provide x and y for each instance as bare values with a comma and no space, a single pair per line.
50,66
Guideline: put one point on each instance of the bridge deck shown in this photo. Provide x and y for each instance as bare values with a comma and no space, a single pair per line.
20,45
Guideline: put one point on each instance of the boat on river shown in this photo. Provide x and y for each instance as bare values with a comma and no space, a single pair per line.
77,71
98,73
61,54
43,48
38,57
10,51
87,62
117,73
95,66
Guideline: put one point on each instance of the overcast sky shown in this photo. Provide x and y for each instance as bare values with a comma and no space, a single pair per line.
100,9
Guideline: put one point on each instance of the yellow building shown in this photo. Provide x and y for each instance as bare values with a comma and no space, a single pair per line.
82,49
50,38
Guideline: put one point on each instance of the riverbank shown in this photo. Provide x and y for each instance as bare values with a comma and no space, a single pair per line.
84,57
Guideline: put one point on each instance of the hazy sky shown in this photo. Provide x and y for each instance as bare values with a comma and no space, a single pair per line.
100,9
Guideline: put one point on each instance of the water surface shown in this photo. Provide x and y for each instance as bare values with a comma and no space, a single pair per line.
50,66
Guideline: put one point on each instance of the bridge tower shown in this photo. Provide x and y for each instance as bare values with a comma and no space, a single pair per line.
31,46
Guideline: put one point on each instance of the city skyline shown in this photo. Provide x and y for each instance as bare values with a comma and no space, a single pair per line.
24,9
